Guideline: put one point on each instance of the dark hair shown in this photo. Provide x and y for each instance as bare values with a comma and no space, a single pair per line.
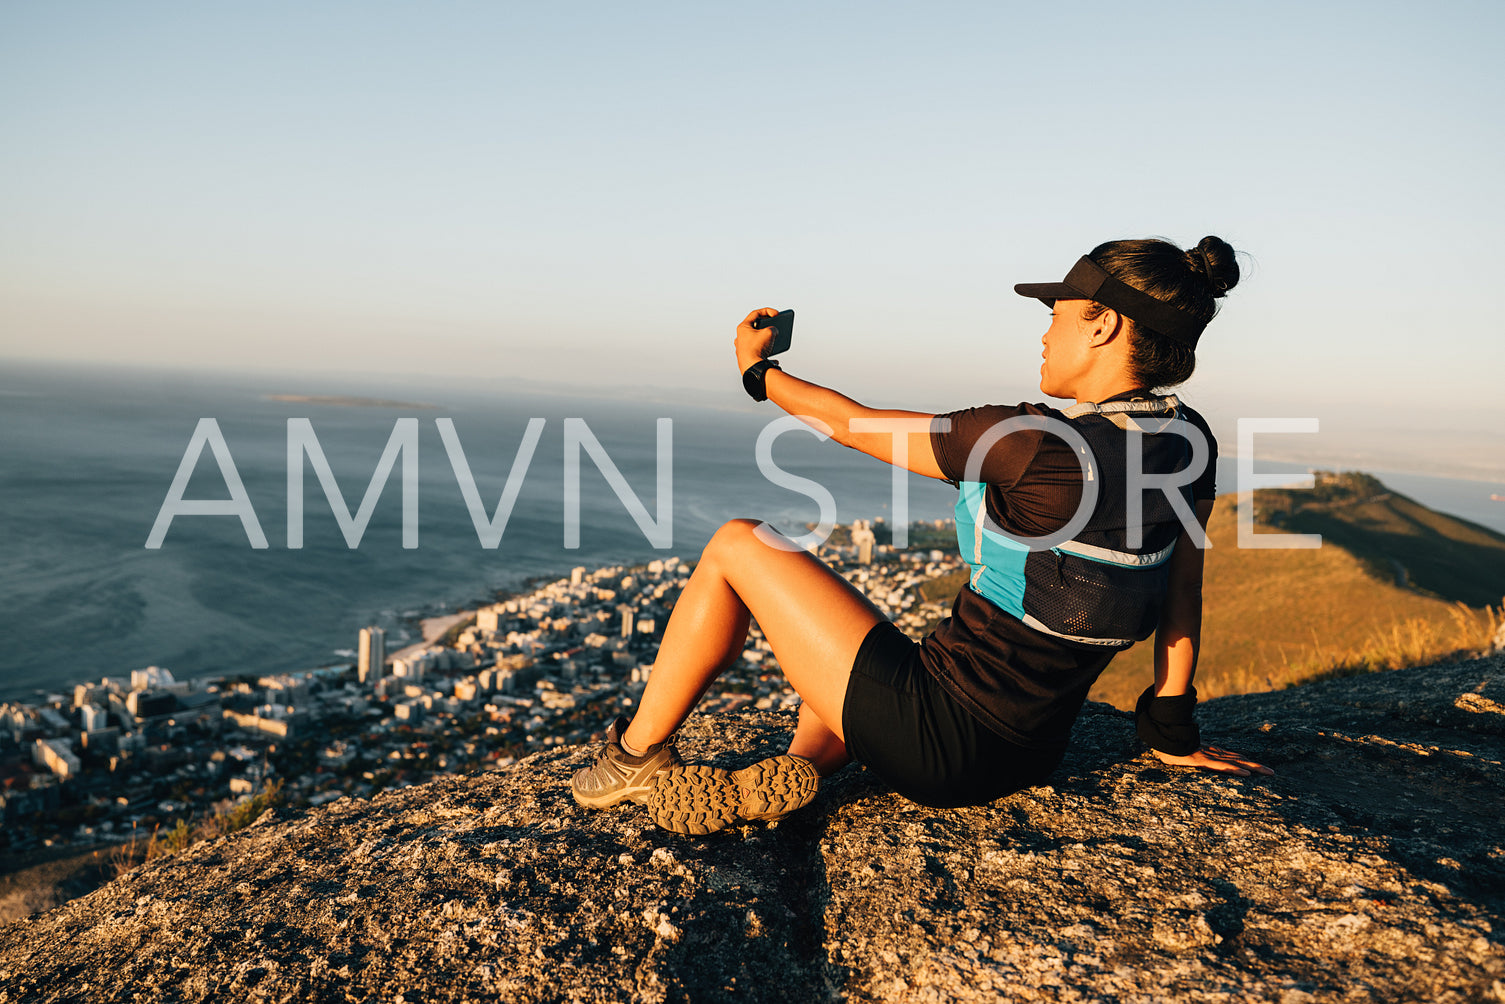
1192,280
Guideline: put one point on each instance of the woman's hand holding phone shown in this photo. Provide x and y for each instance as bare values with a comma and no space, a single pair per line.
754,343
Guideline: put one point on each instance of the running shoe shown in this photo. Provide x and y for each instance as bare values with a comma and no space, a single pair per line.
700,799
617,776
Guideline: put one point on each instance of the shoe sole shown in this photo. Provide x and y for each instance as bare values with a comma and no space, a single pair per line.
700,799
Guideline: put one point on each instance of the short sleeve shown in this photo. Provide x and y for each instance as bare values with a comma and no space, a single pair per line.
954,435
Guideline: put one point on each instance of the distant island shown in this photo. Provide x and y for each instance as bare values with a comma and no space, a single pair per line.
346,401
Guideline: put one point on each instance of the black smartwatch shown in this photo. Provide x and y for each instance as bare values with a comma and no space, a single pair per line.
754,376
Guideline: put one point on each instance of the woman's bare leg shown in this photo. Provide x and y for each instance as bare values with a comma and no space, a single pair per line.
814,621
818,744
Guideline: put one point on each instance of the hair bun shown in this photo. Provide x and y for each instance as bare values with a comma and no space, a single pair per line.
1214,258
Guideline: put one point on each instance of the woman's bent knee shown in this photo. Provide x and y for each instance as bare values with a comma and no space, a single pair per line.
731,536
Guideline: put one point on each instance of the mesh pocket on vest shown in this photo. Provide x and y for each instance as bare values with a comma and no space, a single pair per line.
1092,599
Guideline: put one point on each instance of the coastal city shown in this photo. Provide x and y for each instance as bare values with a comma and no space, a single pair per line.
127,755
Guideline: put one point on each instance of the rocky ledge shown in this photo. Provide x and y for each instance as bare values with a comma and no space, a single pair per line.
1370,868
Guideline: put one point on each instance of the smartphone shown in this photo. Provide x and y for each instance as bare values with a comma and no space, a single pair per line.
783,330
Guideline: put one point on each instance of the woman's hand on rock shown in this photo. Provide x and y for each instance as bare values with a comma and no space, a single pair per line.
753,342
1215,758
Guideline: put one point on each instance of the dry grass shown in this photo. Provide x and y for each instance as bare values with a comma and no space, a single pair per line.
128,855
1414,641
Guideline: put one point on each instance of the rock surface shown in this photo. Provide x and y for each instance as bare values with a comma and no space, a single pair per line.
1371,868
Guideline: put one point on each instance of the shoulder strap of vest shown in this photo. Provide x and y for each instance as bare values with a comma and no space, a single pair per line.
1125,414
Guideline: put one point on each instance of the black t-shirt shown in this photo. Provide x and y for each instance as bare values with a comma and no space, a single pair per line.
1023,684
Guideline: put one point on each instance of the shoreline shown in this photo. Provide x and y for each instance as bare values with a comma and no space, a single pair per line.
431,629
435,626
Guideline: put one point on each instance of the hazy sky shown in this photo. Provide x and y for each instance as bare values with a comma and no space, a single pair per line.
589,194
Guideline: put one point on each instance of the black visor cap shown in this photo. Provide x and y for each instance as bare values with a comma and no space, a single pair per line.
1088,280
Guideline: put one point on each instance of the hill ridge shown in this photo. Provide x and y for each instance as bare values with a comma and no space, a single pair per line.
1476,578
1370,597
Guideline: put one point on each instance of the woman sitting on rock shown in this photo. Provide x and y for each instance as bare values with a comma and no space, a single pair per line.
1068,567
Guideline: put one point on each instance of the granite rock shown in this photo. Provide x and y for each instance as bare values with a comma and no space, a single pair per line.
1370,868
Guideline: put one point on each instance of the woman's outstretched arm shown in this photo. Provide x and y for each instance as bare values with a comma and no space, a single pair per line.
1177,641
896,437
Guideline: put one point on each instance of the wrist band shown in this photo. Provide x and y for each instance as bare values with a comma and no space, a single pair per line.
754,376
1166,723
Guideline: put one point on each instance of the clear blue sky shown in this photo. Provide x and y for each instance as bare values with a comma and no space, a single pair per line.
594,193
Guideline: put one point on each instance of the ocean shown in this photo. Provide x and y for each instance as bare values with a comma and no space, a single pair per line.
87,458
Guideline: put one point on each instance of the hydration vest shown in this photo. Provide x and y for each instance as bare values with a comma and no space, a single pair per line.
1092,589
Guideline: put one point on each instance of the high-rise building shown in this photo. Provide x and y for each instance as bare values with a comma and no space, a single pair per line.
85,694
626,620
55,755
373,654
150,703
151,677
863,540
286,689
94,718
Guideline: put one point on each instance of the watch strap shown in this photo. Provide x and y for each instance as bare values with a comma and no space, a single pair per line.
754,377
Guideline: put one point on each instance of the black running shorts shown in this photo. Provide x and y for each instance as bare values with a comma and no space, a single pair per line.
901,723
